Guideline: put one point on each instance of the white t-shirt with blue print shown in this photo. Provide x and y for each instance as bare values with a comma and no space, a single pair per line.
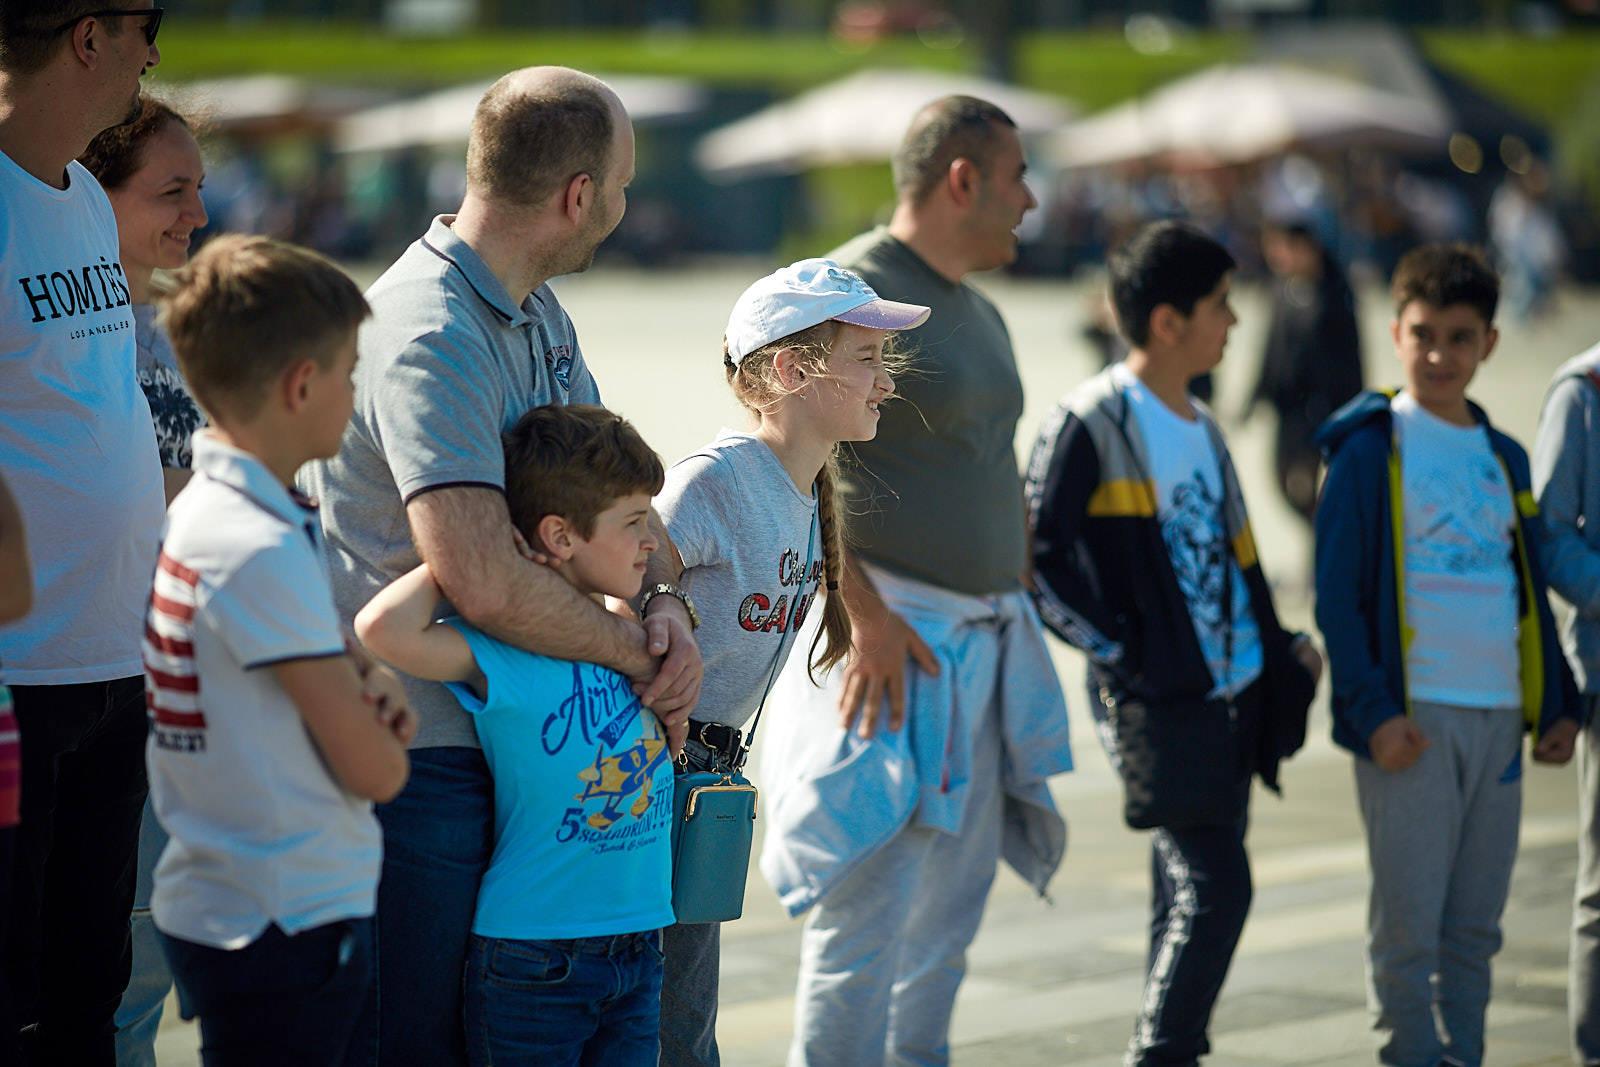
582,798
1189,494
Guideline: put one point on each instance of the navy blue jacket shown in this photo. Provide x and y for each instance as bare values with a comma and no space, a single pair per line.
1359,557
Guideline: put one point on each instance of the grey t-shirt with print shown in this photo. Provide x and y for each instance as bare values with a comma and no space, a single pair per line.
172,410
447,363
744,531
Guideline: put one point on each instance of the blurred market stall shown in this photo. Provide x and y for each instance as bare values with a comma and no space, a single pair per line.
857,119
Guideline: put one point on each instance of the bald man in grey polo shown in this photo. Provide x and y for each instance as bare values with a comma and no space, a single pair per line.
447,363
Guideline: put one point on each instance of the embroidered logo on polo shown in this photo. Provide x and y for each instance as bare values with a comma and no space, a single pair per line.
559,359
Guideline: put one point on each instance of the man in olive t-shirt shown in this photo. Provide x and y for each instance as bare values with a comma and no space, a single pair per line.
937,522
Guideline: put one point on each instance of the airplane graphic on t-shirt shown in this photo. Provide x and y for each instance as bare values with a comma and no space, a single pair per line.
616,778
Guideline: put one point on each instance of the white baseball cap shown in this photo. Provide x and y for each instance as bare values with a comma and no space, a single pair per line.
804,294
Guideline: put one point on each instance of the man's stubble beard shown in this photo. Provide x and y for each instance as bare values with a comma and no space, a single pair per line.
588,240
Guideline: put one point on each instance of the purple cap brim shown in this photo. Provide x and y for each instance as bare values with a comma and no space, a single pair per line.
883,314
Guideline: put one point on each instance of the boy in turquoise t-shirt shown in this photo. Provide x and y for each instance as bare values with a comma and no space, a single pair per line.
565,960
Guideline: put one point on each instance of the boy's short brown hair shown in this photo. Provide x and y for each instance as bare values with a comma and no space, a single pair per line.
245,309
574,460
1444,275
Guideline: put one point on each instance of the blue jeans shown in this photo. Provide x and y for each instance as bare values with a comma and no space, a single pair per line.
437,838
278,1000
139,1013
589,1002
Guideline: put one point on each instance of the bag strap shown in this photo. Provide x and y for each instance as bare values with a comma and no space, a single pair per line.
777,657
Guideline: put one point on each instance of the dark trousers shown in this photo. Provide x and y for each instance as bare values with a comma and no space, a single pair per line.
1200,896
1200,892
280,999
438,835
83,788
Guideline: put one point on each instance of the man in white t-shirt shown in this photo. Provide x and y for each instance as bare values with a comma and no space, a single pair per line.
77,444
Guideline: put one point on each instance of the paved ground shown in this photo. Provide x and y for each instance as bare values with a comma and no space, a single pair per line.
1058,983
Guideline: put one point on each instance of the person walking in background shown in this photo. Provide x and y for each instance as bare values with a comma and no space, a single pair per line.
1144,560
1566,485
1443,652
270,733
1529,245
466,336
151,171
948,714
757,529
1312,362
77,445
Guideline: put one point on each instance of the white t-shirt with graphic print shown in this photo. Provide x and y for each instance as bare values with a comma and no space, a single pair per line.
76,442
744,531
1461,587
1189,495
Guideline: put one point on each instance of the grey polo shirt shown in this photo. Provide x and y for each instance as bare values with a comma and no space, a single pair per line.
448,362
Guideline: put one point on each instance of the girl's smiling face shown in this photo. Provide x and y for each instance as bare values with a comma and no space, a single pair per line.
159,207
846,396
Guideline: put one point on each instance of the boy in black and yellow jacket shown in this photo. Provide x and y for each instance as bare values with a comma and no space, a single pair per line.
1144,560
1431,596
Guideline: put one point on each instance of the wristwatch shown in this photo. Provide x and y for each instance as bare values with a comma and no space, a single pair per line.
672,591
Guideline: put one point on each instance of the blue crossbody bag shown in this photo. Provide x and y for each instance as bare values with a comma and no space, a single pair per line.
714,815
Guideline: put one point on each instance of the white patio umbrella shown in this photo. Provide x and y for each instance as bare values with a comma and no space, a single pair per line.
257,100
444,118
858,119
1230,114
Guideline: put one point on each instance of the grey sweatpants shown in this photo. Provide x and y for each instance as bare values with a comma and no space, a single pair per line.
1441,841
884,952
1583,989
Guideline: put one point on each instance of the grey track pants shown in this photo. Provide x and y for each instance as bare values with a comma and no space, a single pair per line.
1441,841
884,952
1583,989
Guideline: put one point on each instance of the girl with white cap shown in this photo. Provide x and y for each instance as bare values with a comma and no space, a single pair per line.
753,519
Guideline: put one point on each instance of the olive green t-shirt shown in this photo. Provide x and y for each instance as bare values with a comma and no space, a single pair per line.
936,495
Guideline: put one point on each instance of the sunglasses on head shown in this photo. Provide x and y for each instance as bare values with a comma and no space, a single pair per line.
151,26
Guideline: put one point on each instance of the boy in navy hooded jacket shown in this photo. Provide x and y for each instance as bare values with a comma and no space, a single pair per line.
1431,597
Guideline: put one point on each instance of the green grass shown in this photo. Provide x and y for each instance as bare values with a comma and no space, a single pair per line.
363,54
1544,77
1100,69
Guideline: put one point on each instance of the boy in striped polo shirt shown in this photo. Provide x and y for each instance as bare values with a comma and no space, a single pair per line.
271,736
